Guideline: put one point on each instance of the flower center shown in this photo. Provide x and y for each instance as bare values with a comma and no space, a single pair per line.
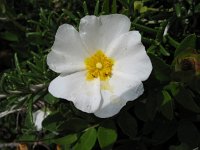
99,66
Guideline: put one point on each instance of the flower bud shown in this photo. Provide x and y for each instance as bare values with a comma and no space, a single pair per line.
188,62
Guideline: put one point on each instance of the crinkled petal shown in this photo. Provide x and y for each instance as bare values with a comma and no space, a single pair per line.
63,63
120,89
98,32
74,87
130,55
68,46
68,41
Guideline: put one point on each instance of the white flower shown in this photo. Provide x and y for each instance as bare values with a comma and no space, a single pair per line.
101,66
38,117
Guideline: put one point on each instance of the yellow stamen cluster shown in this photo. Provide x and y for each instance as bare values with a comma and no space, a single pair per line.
99,66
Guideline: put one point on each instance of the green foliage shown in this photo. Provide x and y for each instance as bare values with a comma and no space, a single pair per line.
167,105
161,69
107,135
128,124
66,140
50,99
166,116
188,42
188,133
185,98
87,140
182,146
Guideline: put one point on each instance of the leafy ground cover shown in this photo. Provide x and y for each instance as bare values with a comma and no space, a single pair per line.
165,117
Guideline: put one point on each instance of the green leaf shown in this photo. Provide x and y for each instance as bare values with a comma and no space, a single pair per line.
173,88
50,99
27,137
172,41
159,36
152,48
195,84
29,111
188,133
114,6
184,97
167,97
178,9
197,8
107,135
149,127
166,106
151,105
96,10
66,140
38,96
144,28
163,51
124,4
29,116
9,36
183,76
74,125
34,68
71,15
52,121
188,42
85,8
163,131
182,146
17,65
49,138
105,7
87,140
160,68
2,7
128,124
167,110
140,111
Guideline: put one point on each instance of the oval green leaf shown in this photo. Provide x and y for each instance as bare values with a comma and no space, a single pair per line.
87,140
128,124
107,135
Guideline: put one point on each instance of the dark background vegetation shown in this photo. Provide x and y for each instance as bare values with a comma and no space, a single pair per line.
165,117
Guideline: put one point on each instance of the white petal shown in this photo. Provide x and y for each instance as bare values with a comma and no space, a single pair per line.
74,87
63,64
38,117
68,52
98,32
130,55
67,46
68,41
122,88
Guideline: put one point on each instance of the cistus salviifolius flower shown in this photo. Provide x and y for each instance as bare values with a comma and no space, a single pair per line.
101,67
